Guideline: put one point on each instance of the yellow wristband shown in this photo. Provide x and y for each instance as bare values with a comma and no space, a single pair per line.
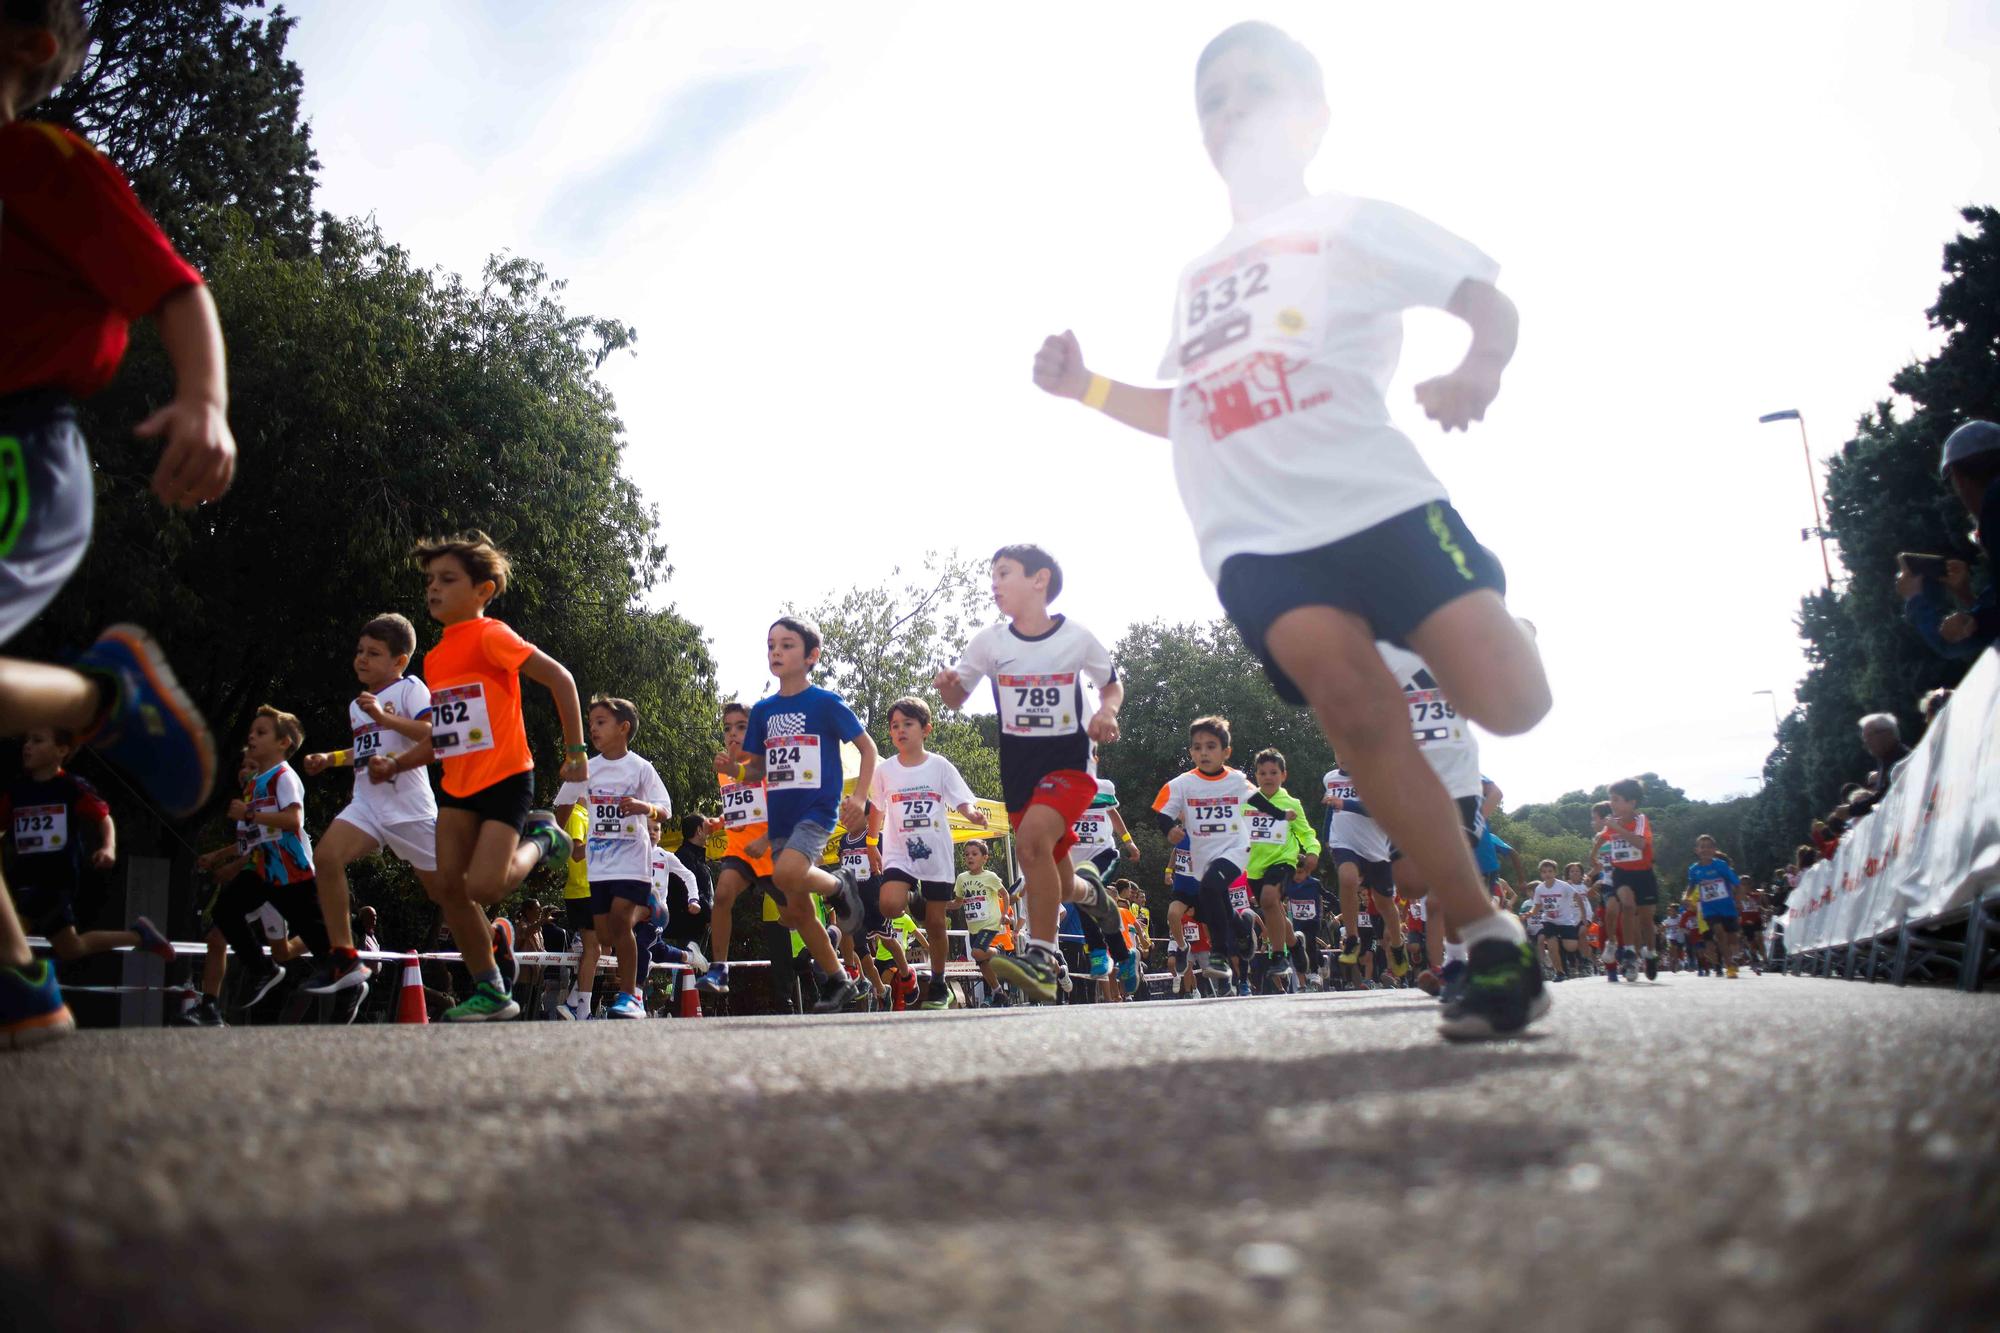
341,759
1095,395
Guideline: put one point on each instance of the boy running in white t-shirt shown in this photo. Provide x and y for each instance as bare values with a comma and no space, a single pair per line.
1038,663
913,795
1558,904
623,792
388,809
1206,809
1317,519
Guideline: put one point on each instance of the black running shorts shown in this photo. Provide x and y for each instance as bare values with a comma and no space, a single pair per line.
1644,884
504,802
1393,575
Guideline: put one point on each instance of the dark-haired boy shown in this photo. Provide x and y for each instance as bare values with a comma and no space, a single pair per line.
746,857
79,261
792,746
912,797
1362,861
1281,840
1626,842
489,836
1038,664
622,793
51,814
1317,520
389,716
1205,809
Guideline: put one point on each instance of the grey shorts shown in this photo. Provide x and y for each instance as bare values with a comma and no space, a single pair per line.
46,501
808,840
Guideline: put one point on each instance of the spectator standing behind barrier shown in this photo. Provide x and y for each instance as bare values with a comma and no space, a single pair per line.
364,930
528,939
1883,740
1939,600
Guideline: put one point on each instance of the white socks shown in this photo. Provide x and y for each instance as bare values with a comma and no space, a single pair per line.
1496,926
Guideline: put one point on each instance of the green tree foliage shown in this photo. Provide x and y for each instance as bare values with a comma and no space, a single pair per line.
197,104
1560,830
1884,497
377,402
1174,674
374,402
886,641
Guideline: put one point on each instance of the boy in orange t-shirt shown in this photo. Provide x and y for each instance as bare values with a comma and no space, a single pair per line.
488,838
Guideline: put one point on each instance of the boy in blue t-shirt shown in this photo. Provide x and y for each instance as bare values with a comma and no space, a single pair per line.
1715,881
792,746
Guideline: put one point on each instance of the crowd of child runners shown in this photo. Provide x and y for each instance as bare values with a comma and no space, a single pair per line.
1334,549
842,864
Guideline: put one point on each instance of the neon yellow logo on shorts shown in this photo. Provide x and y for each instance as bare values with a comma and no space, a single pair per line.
13,494
1434,516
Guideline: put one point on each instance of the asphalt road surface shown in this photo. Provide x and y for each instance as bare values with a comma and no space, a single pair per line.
1764,1154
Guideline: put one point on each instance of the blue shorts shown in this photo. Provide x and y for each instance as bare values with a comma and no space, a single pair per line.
604,892
1187,889
1727,920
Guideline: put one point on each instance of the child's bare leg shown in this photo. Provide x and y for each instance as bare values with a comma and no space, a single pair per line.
1331,655
1485,662
937,921
728,884
341,844
14,951
461,834
34,694
73,944
798,879
215,966
1041,828
586,965
1349,883
615,929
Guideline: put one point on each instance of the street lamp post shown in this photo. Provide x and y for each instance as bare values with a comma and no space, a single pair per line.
1812,484
1772,695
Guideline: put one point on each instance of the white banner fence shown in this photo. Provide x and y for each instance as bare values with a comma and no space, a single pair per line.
1928,856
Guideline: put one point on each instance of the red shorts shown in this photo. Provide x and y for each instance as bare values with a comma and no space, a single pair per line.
1068,793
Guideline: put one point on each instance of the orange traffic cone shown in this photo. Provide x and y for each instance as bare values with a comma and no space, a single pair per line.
896,1005
690,1006
410,1002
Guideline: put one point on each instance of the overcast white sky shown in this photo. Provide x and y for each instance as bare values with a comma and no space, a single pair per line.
842,230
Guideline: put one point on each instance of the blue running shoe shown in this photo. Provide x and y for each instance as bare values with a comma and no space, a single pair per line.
151,940
715,981
1128,973
151,729
626,1005
1100,964
31,1006
1449,977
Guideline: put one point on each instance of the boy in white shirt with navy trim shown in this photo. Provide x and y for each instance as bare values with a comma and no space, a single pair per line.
1316,517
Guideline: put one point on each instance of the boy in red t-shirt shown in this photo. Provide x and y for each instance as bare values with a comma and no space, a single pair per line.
79,261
